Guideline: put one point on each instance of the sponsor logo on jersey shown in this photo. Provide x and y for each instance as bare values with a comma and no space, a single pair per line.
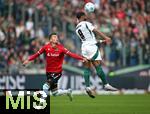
52,54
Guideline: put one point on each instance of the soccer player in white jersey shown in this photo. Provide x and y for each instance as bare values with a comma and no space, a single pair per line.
86,32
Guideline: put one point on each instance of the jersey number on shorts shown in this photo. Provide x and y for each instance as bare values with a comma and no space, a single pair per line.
81,35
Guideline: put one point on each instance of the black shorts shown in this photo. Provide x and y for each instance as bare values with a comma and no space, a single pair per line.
52,79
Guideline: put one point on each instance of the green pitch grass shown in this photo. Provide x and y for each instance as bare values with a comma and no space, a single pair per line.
102,104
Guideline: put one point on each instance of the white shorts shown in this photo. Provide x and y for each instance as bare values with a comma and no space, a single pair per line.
89,51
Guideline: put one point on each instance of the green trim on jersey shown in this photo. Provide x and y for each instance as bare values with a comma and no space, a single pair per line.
89,30
96,55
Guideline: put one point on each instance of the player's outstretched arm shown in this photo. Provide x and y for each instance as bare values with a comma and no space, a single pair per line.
34,56
106,38
73,55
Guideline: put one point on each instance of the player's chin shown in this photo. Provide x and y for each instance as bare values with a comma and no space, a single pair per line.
56,43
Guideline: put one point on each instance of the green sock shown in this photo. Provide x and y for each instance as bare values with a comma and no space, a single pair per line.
101,74
87,77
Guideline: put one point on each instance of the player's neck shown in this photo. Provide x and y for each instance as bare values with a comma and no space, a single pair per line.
81,21
53,44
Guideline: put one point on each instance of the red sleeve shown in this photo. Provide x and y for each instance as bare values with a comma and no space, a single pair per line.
73,55
34,56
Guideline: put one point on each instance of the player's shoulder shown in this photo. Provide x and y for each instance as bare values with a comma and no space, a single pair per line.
80,24
47,43
88,23
83,23
60,45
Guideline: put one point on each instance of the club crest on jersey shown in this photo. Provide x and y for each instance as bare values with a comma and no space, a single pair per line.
56,49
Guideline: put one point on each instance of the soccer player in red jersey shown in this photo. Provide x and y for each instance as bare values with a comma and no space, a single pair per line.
54,60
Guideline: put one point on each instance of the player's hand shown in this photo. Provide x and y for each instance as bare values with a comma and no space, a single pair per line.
102,41
25,62
108,40
84,59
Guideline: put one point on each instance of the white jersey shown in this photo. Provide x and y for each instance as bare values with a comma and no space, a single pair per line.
84,31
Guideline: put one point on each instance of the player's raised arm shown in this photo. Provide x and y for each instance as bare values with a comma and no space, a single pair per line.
106,38
34,56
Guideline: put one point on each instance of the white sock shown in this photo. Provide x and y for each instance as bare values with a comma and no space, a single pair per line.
60,92
46,90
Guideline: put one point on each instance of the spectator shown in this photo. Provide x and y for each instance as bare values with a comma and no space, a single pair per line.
26,24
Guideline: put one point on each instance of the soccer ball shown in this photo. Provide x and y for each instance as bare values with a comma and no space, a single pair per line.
89,7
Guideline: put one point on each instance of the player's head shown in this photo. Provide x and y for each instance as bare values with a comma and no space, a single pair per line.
53,38
81,16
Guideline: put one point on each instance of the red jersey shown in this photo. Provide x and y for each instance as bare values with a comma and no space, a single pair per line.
54,56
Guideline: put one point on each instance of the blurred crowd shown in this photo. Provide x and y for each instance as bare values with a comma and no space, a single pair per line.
26,24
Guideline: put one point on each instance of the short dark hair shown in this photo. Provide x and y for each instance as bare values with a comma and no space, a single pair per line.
51,34
80,14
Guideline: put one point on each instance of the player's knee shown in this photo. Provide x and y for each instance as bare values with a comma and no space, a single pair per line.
46,86
96,63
